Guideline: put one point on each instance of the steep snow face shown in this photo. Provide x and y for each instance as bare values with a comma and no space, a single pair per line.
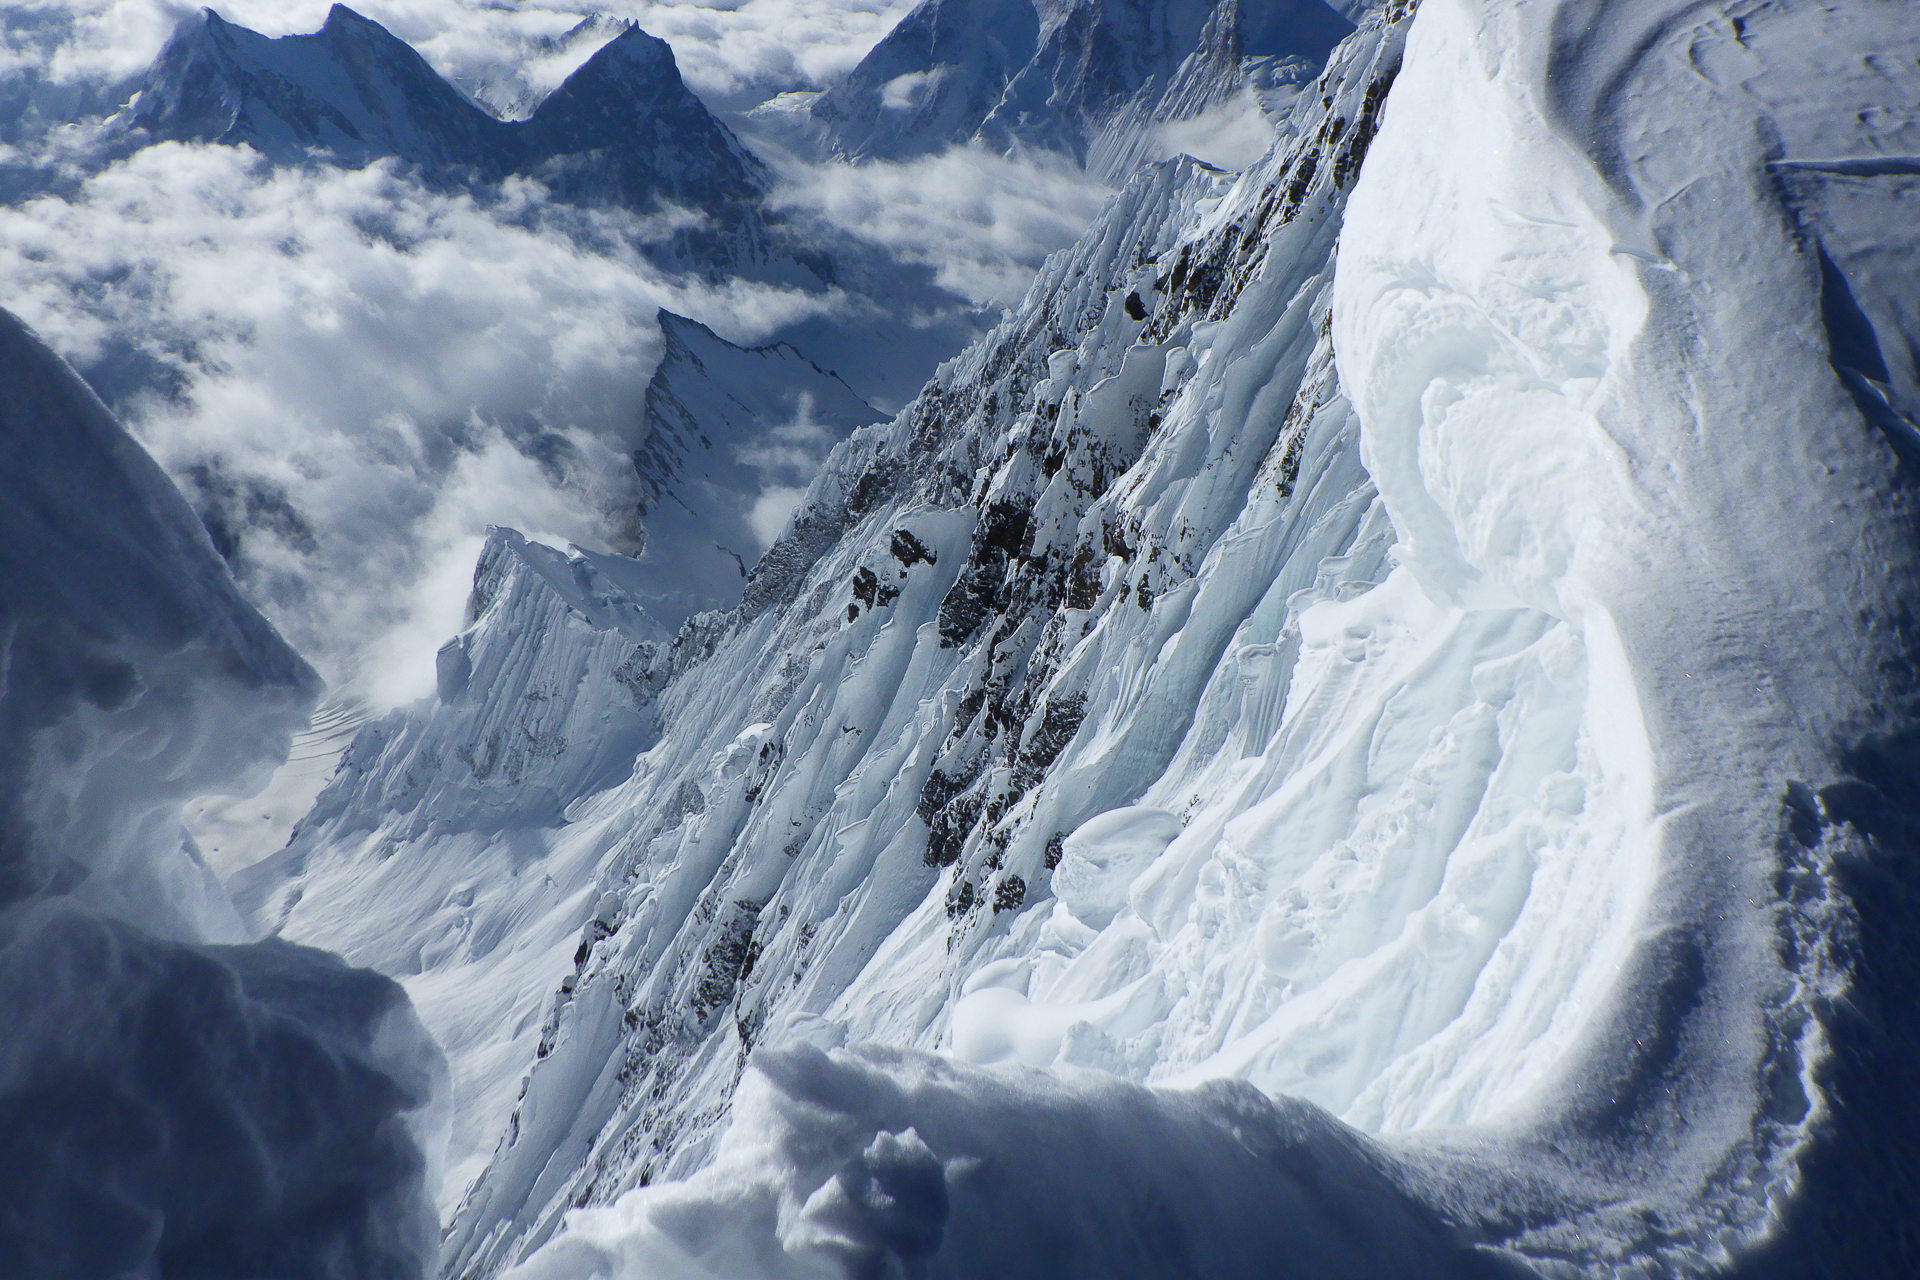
733,436
851,805
1080,78
1611,365
126,644
166,1105
1463,691
437,854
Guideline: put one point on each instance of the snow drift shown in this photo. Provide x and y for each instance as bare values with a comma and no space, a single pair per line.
170,1107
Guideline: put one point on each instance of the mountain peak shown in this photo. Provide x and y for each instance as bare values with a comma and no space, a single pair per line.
625,129
353,89
622,130
1052,73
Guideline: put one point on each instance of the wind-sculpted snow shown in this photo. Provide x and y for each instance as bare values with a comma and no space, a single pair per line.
1459,689
905,655
166,1106
136,677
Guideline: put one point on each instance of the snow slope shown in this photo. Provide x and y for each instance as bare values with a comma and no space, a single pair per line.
166,1106
1459,689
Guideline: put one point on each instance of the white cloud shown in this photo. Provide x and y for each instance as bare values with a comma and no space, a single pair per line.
985,222
360,374
768,516
363,373
1232,135
904,92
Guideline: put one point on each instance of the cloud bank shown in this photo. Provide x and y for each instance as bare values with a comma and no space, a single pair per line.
351,376
984,222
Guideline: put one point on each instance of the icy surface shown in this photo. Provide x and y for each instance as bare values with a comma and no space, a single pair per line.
166,1106
1457,690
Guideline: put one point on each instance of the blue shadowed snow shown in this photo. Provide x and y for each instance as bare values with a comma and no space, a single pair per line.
167,1107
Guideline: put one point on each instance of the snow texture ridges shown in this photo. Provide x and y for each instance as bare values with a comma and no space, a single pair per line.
1461,687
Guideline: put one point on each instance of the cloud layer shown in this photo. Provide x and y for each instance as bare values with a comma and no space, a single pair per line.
352,376
984,222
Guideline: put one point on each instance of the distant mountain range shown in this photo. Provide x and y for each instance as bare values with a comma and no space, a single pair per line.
623,130
1060,77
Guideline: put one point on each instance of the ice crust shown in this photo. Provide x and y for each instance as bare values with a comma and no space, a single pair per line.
168,1106
1412,738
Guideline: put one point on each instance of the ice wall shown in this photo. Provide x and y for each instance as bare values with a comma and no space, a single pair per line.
166,1106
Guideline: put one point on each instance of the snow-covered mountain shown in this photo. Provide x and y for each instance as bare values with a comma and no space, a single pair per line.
1083,77
733,436
174,1099
351,89
1367,727
623,129
1393,760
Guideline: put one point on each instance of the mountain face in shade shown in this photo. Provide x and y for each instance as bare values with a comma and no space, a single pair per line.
733,436
1012,72
174,1100
352,89
623,129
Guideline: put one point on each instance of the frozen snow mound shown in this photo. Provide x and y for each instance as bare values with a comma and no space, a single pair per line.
169,1106
884,1162
168,1109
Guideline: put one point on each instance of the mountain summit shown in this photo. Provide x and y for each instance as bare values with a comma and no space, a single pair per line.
622,130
